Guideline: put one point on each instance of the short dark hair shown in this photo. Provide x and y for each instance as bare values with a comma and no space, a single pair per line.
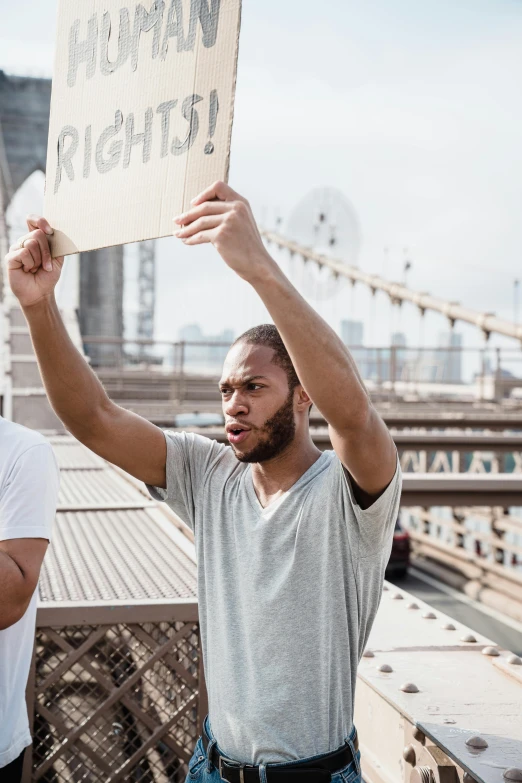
268,334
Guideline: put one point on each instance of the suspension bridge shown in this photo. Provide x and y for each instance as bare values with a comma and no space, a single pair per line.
117,685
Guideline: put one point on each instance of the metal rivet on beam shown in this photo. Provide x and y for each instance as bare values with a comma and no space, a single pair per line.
384,667
413,605
368,654
490,651
429,616
409,687
409,756
515,660
449,627
385,588
468,638
398,596
476,742
419,735
513,773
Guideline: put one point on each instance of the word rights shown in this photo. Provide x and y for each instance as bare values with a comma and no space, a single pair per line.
115,142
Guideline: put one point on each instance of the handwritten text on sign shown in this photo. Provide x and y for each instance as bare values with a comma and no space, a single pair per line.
116,141
141,115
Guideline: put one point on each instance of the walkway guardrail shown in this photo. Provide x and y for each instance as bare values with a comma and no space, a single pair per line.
476,549
390,372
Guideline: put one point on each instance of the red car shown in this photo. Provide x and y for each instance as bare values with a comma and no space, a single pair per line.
400,555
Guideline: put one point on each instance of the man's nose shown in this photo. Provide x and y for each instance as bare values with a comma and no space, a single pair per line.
236,404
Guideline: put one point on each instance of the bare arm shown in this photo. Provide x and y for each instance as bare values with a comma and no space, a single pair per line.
329,374
324,365
20,562
76,394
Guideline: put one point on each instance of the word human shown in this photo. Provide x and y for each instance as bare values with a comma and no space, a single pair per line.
117,140
93,50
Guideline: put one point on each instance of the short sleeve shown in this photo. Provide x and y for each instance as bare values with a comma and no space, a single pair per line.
375,525
189,460
30,495
371,537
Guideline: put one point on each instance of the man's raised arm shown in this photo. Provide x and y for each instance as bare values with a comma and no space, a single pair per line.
75,393
324,365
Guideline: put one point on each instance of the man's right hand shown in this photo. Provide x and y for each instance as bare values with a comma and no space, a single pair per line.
33,274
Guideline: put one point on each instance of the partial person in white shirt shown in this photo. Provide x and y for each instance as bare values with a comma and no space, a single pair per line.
29,483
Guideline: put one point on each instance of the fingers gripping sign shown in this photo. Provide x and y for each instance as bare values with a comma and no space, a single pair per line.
222,217
33,274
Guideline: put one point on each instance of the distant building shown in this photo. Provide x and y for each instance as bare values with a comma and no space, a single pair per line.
451,360
399,339
204,358
374,363
191,333
398,358
352,332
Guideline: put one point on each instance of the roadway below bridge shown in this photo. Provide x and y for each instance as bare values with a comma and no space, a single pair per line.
507,633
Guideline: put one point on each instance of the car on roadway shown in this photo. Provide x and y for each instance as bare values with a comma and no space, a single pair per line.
400,554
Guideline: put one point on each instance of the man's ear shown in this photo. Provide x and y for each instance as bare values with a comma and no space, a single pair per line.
304,401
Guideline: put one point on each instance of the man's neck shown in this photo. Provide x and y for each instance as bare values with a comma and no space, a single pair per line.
276,476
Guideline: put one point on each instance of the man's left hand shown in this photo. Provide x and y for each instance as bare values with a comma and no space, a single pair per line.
222,217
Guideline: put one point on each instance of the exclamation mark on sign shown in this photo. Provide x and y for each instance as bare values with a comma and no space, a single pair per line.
212,121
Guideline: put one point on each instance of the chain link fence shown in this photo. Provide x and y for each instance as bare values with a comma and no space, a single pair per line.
119,702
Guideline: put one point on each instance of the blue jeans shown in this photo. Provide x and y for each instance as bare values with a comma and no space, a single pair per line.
201,770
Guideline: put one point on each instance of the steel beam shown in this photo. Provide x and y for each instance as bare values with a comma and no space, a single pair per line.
426,686
453,311
461,489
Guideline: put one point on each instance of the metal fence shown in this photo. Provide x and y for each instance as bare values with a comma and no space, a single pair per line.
487,373
115,701
489,535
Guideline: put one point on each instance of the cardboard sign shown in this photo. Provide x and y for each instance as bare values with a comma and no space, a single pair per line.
141,116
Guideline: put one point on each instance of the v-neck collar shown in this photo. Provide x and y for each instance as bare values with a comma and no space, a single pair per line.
251,492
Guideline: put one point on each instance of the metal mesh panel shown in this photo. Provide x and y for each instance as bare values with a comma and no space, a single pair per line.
116,703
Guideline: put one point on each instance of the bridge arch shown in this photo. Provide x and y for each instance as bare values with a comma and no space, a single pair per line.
24,128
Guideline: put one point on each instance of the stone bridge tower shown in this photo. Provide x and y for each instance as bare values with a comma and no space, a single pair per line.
24,127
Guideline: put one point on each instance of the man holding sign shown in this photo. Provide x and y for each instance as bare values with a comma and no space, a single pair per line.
292,543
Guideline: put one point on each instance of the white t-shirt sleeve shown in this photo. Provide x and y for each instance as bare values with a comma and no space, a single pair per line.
29,496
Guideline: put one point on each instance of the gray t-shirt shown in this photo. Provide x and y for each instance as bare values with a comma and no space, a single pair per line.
287,596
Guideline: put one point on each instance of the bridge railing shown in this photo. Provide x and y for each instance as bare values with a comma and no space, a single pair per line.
391,372
490,536
476,550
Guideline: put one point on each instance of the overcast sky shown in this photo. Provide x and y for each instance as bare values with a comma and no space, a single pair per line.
412,109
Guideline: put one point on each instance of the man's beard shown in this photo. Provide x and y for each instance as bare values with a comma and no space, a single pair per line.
278,431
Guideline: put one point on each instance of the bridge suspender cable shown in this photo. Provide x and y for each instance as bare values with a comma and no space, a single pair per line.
487,322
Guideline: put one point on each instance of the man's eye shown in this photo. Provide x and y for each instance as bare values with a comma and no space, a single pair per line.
254,386
225,391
